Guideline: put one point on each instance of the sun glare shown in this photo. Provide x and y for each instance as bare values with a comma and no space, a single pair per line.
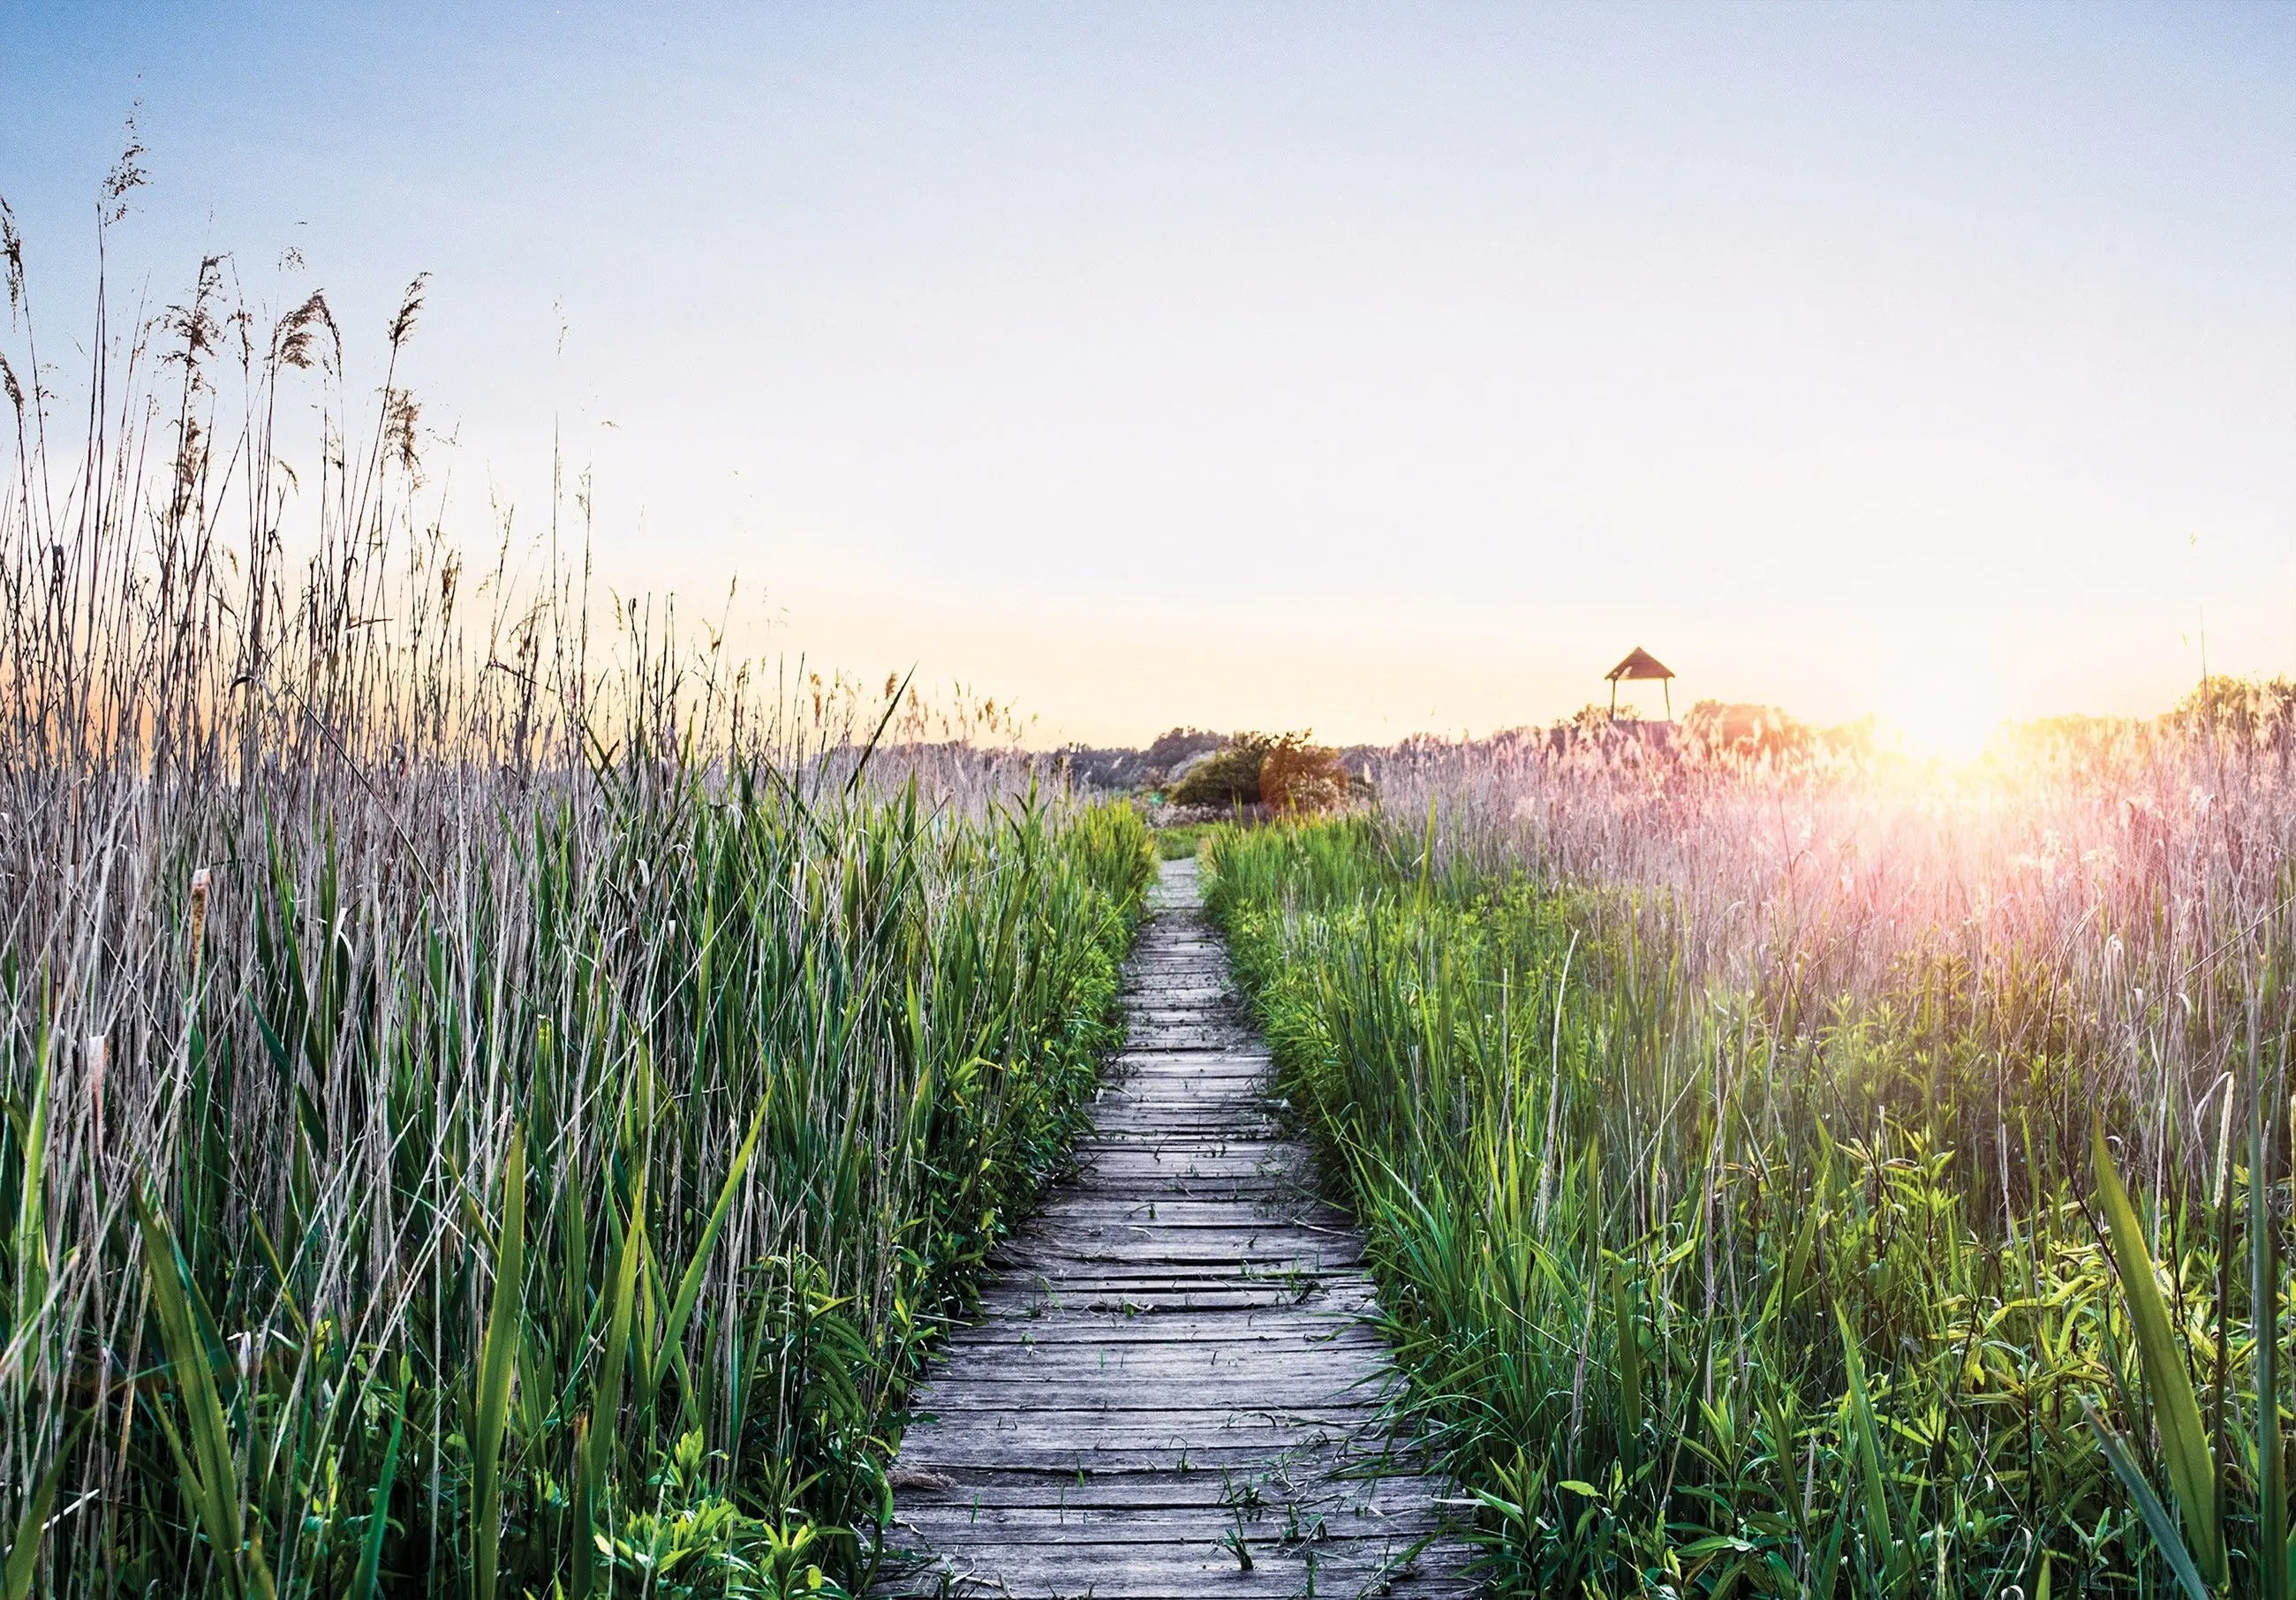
1944,714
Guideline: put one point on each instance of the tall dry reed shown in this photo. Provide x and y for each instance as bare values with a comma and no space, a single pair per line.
496,1092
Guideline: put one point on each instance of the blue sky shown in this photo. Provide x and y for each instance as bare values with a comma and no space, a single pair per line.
1366,368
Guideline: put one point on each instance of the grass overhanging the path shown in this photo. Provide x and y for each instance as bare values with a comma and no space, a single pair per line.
1713,1290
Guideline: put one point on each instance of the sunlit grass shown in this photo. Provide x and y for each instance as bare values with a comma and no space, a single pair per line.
1724,1134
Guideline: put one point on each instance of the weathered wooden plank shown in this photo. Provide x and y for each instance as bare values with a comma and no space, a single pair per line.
1070,1372
1149,1489
1138,1120
1227,1140
1270,1258
1096,1308
965,1447
1130,1119
1054,1280
1201,1525
1242,1231
1213,1048
1318,1323
1342,1292
1086,1442
980,1521
1197,1219
1380,1453
1089,1206
1045,1309
1193,1336
1203,1247
1074,1375
1183,1571
1044,1275
1138,1162
1212,1394
1204,1128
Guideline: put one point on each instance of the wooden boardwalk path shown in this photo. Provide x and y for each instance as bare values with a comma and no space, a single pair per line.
1170,1377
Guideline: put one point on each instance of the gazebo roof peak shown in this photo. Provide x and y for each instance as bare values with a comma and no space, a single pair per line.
1640,663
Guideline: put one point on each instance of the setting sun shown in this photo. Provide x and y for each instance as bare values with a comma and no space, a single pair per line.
1944,712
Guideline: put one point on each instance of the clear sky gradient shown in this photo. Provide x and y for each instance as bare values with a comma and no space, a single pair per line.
1371,369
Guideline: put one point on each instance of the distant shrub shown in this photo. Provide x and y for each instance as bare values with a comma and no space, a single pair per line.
1174,747
1229,777
1284,772
1295,775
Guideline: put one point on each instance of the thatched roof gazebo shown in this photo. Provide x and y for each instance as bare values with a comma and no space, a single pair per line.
1641,664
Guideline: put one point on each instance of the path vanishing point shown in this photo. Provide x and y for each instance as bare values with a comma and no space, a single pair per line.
1172,1389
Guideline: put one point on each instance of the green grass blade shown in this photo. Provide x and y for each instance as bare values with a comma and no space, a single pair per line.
2264,1329
212,1480
24,1549
689,1288
1630,1364
606,1400
1878,1526
370,1566
31,1242
497,1364
2184,1434
2148,1505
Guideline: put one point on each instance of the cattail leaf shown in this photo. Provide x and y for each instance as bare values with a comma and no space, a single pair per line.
24,1548
370,1564
2264,1334
205,1460
30,1248
2184,1434
1630,1360
689,1288
1867,1441
497,1363
606,1397
2148,1504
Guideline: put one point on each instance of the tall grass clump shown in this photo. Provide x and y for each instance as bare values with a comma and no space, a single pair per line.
1817,1179
494,1096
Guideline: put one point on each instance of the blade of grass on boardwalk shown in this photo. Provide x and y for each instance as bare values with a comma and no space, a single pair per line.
497,1365
2184,1434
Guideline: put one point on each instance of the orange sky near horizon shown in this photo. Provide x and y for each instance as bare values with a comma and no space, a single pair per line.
1371,671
